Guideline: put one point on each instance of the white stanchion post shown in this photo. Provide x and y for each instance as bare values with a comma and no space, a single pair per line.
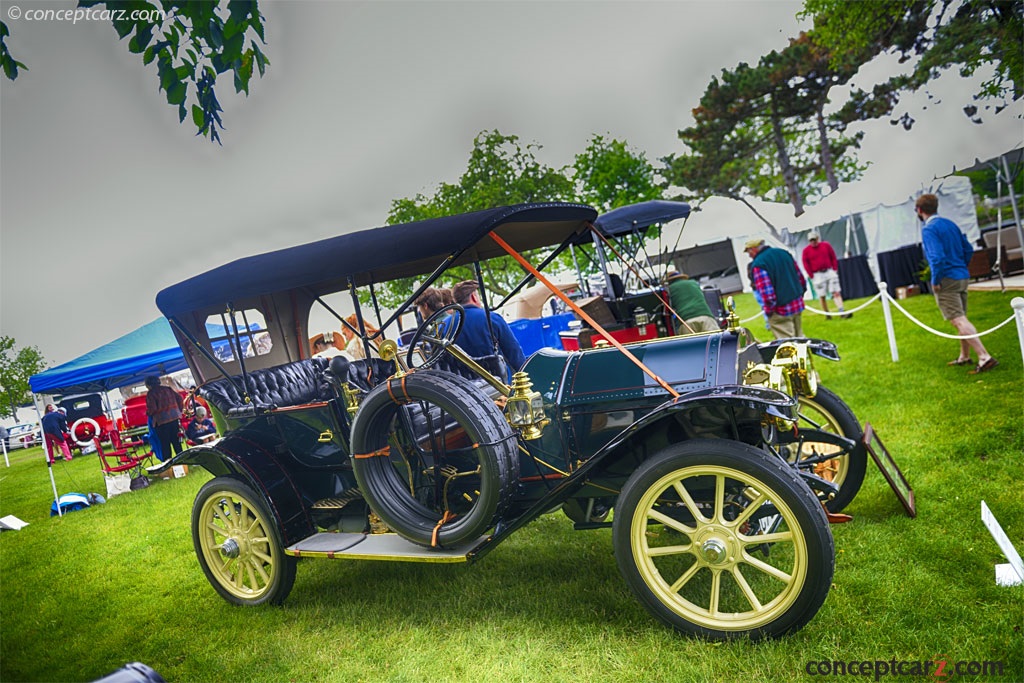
1018,312
884,287
3,445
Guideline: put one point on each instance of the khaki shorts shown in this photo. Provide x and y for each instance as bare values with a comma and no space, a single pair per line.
785,326
826,283
952,298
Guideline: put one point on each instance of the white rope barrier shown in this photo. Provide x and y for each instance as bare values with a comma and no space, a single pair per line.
943,334
752,318
831,314
887,299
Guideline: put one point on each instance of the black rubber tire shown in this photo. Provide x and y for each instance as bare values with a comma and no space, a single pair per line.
382,481
650,497
240,513
852,465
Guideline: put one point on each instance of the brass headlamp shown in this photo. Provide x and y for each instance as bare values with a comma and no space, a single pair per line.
525,408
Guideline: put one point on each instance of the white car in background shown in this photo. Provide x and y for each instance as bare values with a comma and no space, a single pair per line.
24,435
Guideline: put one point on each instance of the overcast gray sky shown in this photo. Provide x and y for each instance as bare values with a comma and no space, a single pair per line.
105,199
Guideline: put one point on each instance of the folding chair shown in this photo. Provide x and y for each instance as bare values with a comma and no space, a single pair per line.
117,461
118,444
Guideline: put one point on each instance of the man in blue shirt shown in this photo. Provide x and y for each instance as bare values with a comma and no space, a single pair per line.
475,336
948,253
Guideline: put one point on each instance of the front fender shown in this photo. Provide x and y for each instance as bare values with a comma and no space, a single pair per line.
819,347
241,455
769,401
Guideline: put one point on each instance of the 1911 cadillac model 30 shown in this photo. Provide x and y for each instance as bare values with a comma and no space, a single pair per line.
722,458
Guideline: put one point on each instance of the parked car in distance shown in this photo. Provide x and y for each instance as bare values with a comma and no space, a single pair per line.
24,435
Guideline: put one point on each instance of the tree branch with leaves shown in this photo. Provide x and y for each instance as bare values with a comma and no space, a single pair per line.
16,366
191,43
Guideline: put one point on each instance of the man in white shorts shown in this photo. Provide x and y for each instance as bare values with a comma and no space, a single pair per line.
821,264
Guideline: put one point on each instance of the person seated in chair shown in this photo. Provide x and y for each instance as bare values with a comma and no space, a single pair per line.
201,428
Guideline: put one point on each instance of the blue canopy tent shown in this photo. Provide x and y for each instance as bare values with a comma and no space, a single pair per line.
149,350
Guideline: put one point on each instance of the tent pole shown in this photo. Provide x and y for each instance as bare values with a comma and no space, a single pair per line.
1013,199
998,265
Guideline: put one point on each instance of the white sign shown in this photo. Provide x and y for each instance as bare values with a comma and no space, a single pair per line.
1011,574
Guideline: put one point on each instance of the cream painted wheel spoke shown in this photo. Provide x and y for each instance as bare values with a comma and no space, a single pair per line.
688,501
716,592
777,537
754,506
719,511
767,568
685,578
669,522
748,592
670,550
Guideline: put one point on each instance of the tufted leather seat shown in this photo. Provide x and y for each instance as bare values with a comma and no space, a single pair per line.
292,384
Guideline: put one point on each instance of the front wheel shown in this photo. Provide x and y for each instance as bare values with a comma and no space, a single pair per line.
719,540
238,544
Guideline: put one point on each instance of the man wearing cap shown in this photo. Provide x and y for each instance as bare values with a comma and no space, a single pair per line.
821,264
781,286
688,302
56,433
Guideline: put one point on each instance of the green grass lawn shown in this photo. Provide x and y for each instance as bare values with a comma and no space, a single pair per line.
83,595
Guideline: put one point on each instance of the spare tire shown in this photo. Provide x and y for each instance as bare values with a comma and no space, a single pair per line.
434,458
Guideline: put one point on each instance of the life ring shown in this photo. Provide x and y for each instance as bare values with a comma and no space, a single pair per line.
91,424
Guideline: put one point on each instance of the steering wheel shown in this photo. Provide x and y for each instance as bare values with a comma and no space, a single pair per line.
436,332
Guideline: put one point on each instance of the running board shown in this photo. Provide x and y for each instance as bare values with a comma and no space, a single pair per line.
389,547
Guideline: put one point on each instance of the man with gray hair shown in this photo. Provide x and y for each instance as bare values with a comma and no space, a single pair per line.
201,428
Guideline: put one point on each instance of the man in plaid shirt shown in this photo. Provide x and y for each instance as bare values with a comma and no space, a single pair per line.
781,286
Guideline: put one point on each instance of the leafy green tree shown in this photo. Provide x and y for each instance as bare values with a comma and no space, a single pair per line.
15,369
503,171
609,174
943,34
762,131
192,44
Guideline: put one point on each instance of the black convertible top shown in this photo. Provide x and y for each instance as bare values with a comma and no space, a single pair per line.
379,254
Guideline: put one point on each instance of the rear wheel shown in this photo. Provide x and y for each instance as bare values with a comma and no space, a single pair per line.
718,539
828,413
238,544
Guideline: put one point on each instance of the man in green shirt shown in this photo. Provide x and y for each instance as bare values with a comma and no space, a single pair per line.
687,299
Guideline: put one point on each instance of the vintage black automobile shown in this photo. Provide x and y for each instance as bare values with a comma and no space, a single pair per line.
718,455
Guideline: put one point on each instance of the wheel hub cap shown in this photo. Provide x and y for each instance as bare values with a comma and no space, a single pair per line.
230,548
713,550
